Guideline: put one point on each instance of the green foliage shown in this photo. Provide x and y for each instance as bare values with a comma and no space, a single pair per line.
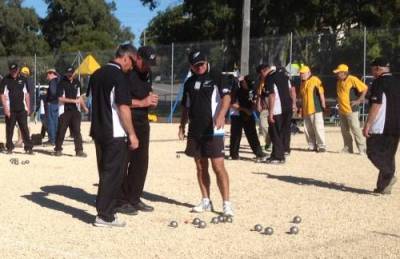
82,25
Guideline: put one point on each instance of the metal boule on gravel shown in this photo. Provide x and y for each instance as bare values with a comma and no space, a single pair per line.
229,220
214,220
202,224
173,224
196,221
294,230
297,219
258,228
268,231
221,219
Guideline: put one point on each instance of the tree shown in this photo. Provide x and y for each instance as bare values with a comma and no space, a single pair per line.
20,30
83,25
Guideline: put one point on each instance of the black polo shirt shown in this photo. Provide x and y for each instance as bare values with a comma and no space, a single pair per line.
278,83
139,88
71,90
385,90
202,96
109,88
15,90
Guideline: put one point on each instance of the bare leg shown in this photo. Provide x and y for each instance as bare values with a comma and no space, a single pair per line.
203,177
222,177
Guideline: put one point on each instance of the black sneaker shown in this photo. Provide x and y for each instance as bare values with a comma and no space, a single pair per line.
321,150
143,207
9,151
58,153
29,152
81,154
275,161
127,209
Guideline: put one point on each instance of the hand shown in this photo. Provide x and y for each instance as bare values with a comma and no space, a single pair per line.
133,142
355,103
78,101
181,133
150,101
85,109
271,118
220,122
366,130
294,108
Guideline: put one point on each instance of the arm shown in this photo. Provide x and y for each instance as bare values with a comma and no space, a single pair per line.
28,103
150,101
271,101
220,118
373,112
293,95
68,100
5,106
124,113
363,89
184,120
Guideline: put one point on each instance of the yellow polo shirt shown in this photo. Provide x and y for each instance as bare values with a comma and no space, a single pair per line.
347,91
310,90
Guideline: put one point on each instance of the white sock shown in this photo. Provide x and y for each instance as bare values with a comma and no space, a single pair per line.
227,203
206,201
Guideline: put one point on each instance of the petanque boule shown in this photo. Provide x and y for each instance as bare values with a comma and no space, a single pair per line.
221,219
202,224
173,224
214,220
294,230
196,221
258,228
229,220
297,220
178,156
268,231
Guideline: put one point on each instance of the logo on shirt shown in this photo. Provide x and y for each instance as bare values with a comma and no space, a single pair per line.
197,85
225,91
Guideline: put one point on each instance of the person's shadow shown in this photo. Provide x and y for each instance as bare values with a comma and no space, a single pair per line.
310,181
82,196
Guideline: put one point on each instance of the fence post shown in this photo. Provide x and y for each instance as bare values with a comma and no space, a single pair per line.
291,53
34,88
364,70
172,83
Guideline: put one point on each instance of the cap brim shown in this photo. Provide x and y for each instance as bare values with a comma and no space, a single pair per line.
199,62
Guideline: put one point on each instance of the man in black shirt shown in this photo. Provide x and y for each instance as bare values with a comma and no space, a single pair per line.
282,102
143,98
243,98
110,126
70,101
52,105
16,104
205,104
382,128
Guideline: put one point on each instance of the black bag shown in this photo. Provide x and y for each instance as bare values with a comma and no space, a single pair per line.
36,139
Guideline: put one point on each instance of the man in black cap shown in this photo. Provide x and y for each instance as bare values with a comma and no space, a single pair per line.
143,98
205,104
70,101
16,104
382,128
111,128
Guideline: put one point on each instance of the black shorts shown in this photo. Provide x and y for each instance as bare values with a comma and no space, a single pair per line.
210,147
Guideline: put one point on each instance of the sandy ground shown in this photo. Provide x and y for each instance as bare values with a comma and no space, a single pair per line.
47,206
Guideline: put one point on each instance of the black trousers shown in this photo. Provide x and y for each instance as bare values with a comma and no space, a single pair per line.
137,164
381,150
111,159
280,135
72,120
248,123
20,117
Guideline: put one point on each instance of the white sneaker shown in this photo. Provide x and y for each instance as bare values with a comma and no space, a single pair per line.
205,205
228,210
115,223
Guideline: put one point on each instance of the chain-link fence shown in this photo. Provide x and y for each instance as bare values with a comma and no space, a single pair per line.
322,52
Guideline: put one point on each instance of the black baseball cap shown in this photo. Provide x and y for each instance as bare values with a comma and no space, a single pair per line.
13,66
197,57
380,62
148,54
69,71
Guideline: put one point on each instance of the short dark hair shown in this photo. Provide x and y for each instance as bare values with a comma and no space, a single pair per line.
261,67
125,49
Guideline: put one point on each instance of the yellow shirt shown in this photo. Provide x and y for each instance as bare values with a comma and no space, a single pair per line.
347,91
310,90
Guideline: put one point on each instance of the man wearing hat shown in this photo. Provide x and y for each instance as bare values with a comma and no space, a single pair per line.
70,102
313,105
25,72
351,93
143,98
16,103
205,105
52,105
382,128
